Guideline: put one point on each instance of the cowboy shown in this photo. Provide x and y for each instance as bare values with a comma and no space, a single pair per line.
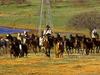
25,36
9,37
19,37
47,31
94,33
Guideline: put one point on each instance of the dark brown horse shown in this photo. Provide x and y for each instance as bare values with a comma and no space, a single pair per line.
46,46
35,44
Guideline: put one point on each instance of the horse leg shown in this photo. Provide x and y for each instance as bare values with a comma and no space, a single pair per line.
97,51
67,50
34,50
39,47
56,51
61,54
71,50
82,50
93,50
11,53
47,52
5,48
58,54
26,53
87,51
75,50
78,49
0,51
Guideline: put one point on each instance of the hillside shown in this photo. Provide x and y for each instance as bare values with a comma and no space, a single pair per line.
27,16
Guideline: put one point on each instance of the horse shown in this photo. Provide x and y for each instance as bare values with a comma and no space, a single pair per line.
41,39
59,46
78,44
46,46
14,49
70,44
35,44
96,44
59,49
89,46
2,46
23,49
18,49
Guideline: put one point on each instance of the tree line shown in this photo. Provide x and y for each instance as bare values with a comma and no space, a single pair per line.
3,2
6,2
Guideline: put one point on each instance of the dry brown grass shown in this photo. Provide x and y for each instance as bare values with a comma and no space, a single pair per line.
40,65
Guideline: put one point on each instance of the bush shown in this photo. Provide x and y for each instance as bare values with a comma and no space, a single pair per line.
5,2
86,20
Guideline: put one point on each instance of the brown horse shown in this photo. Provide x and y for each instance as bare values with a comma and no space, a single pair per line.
46,46
59,46
59,49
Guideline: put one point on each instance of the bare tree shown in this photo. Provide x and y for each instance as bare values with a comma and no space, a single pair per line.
79,2
86,20
20,1
56,1
3,2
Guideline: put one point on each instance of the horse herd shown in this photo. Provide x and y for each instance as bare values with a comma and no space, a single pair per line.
29,43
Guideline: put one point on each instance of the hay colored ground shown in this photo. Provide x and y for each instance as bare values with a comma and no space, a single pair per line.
41,65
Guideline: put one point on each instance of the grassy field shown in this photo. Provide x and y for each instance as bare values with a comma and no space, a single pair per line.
41,65
23,16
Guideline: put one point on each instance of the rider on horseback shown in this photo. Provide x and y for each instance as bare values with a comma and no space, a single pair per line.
47,31
94,34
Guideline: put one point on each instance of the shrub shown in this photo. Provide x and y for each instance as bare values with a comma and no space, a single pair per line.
86,20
